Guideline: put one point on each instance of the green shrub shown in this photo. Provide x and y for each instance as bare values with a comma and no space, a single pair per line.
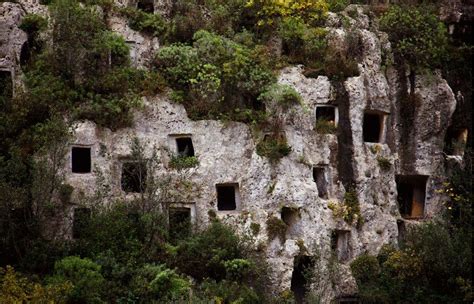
238,269
301,42
85,276
152,24
229,292
32,24
352,203
216,75
421,271
324,126
273,148
15,288
183,162
418,37
157,282
206,252
338,5
281,94
276,228
365,268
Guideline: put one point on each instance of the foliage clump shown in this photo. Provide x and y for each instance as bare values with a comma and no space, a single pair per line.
418,37
215,74
273,147
349,210
84,275
420,271
16,288
276,228
324,126
281,94
183,162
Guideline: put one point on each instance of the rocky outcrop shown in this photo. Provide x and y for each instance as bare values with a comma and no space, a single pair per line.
411,124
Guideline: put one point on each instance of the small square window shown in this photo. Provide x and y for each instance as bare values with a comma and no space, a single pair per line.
185,146
179,222
81,159
134,176
373,127
80,221
327,113
411,191
227,196
319,177
340,244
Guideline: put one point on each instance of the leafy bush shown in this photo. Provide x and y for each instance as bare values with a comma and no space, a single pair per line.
349,210
152,24
157,282
229,292
15,288
271,12
207,251
421,271
301,42
417,36
183,162
324,126
338,5
85,276
276,228
237,269
216,75
273,148
33,24
281,94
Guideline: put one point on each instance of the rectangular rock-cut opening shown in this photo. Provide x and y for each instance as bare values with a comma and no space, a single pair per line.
411,195
6,86
134,176
179,219
184,146
80,221
290,215
146,6
340,244
455,141
227,196
81,159
373,127
326,113
303,266
320,178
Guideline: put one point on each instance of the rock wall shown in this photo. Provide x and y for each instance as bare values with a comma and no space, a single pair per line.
226,151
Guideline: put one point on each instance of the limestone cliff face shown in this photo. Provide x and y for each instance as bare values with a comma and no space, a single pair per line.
410,117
